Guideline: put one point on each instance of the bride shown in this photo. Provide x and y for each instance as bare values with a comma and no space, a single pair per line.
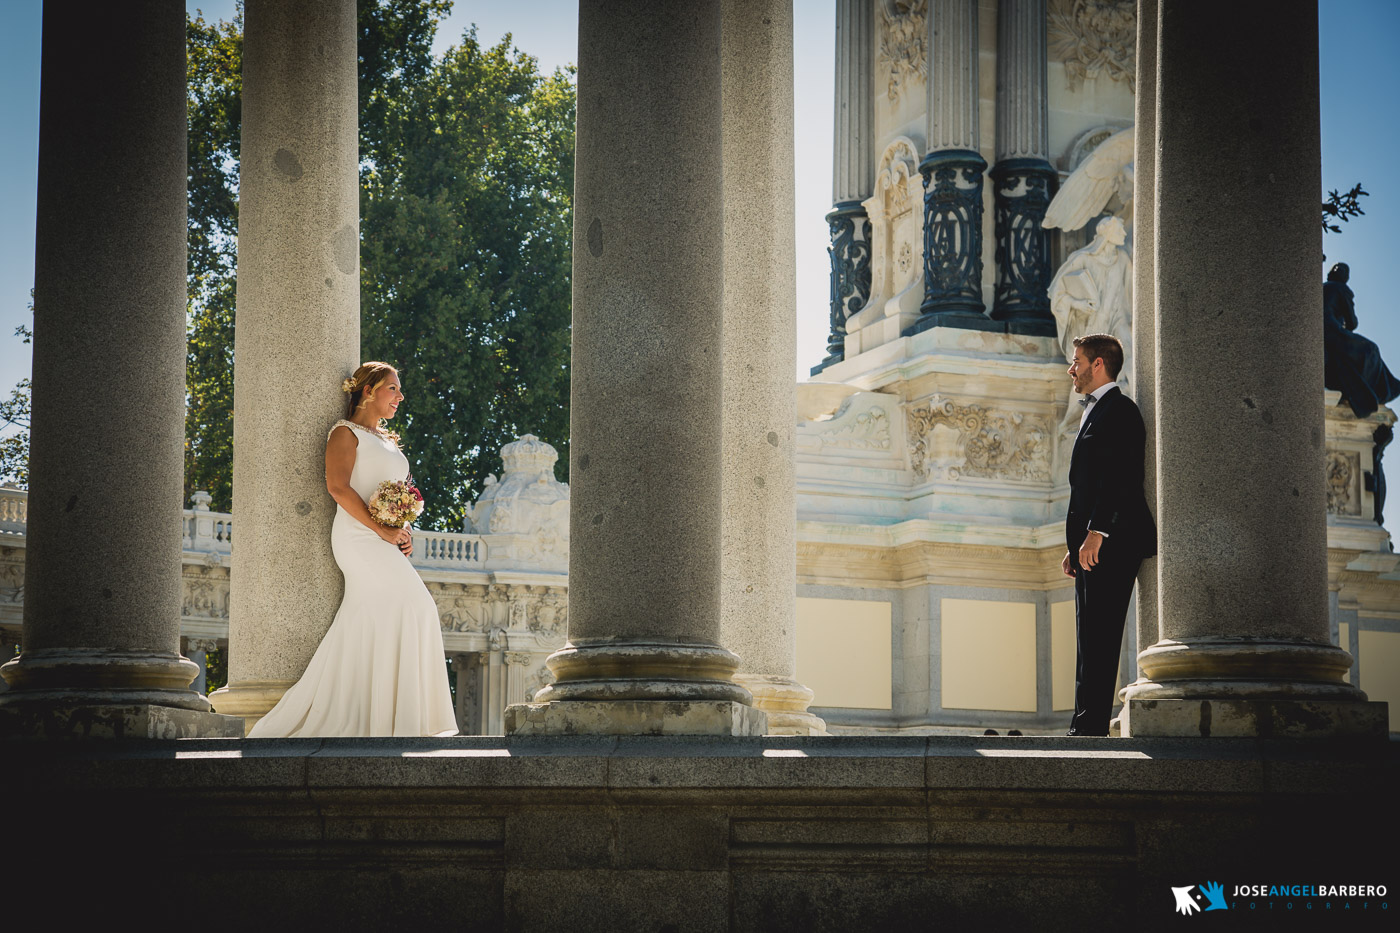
380,669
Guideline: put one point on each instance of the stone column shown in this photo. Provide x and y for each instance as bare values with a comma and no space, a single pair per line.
853,170
495,698
197,650
952,173
297,336
1145,293
758,568
101,654
1024,181
1244,647
646,414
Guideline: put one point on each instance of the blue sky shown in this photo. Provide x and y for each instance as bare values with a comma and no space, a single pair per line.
1360,134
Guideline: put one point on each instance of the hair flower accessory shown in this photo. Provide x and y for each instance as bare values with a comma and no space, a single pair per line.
348,385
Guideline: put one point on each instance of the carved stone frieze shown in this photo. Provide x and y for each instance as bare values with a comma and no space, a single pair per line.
11,575
1343,482
989,443
865,428
541,610
903,52
205,592
1093,38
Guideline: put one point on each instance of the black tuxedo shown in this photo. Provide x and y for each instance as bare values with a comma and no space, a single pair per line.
1105,494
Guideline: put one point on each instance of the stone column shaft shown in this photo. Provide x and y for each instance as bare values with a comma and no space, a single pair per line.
1145,292
758,596
952,173
646,412
101,653
1244,643
853,170
297,336
1024,180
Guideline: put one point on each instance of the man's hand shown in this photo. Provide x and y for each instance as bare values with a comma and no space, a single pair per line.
1066,566
1089,551
406,545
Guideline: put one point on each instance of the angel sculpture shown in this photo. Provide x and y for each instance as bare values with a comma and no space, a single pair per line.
1106,171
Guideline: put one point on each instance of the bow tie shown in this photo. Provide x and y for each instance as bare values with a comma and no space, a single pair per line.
1086,401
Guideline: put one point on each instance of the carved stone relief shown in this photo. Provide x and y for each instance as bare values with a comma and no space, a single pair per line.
541,610
896,229
1093,38
11,575
205,592
856,427
903,52
1343,482
979,442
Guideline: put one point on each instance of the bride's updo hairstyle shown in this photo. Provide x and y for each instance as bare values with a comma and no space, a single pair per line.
360,387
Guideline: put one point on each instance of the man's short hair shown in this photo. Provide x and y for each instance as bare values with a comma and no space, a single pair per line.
1104,347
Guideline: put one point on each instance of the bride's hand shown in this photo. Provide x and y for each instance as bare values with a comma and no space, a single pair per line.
398,537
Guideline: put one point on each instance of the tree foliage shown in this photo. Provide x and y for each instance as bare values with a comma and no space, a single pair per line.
465,263
1342,207
466,185
14,414
214,63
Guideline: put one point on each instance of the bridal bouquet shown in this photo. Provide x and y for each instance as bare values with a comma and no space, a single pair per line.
396,503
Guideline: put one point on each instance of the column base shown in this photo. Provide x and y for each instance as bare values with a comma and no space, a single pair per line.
785,702
49,719
249,700
1263,718
635,717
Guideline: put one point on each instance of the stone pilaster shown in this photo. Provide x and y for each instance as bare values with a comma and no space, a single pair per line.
953,171
101,655
1244,646
646,417
298,336
853,170
1023,179
759,536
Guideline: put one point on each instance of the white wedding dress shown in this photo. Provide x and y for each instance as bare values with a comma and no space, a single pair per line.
380,670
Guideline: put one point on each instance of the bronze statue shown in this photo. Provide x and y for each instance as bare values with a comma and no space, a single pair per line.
1353,364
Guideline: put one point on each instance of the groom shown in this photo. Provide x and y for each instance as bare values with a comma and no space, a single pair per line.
1108,530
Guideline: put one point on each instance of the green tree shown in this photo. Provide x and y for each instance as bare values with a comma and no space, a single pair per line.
214,62
1342,207
465,281
466,184
14,414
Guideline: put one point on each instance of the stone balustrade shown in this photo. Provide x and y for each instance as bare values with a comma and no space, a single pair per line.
14,510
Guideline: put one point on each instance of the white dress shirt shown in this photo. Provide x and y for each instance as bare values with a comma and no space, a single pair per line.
1094,397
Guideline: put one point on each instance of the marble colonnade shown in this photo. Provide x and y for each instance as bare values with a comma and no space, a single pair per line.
853,171
646,418
101,652
1242,645
298,330
1023,179
953,169
1144,360
758,565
